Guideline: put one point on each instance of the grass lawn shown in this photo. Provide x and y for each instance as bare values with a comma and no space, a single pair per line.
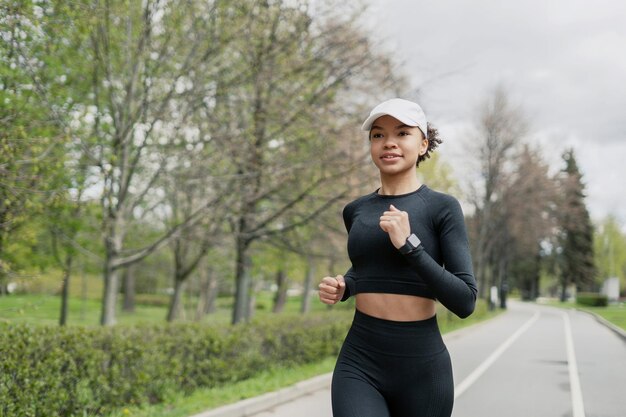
615,313
45,309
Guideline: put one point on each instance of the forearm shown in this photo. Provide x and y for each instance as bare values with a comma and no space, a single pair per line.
455,290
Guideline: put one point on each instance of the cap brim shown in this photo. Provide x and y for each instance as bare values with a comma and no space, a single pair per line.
367,124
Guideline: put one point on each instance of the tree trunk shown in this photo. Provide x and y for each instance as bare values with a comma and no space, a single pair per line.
482,263
129,290
203,298
65,290
502,271
306,290
109,299
242,282
176,300
280,299
3,273
563,297
83,291
113,247
251,305
210,305
208,295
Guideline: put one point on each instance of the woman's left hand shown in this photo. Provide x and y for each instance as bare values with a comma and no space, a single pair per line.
396,223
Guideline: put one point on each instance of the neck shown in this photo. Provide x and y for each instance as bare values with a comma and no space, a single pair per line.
397,186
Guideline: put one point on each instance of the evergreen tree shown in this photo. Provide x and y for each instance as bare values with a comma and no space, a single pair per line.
576,231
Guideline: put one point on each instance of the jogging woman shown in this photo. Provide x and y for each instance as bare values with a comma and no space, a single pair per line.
408,247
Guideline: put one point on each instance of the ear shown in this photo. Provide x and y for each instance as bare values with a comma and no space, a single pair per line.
424,146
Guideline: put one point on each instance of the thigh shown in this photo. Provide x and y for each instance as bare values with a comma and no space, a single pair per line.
354,396
423,389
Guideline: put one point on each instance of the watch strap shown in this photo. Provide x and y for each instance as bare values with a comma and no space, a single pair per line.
411,244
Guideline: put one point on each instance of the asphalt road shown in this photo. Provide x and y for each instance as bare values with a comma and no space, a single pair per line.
531,361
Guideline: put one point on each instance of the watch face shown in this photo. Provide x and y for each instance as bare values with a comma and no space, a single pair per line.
413,240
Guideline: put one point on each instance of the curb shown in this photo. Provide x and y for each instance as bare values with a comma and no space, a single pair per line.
617,330
264,402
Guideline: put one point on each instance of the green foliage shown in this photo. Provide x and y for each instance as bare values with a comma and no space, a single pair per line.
267,259
591,299
71,371
35,100
610,251
438,175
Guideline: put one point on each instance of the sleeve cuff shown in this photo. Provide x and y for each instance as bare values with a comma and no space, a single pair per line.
350,288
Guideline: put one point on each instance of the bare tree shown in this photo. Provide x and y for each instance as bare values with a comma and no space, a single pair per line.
147,79
285,162
501,127
531,207
191,186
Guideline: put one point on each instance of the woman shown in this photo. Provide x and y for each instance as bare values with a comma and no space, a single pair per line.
408,246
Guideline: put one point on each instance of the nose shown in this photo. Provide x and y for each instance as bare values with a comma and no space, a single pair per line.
390,143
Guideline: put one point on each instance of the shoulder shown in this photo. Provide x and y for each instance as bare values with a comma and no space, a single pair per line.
354,204
351,209
442,205
438,199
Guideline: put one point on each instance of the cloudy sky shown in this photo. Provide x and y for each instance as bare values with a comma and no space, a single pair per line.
562,61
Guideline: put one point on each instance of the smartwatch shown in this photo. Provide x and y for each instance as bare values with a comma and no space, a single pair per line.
412,243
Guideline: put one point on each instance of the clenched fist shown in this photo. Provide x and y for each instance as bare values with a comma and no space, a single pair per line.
396,223
331,289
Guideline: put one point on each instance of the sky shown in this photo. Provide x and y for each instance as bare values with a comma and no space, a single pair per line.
562,61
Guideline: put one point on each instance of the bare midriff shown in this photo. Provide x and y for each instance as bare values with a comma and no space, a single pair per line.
396,307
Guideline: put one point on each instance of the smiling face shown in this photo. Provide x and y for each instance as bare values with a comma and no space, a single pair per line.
394,146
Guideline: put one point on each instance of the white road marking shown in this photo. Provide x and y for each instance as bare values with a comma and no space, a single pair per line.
578,407
477,373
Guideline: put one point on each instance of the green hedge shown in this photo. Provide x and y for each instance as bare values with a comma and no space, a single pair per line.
73,371
592,299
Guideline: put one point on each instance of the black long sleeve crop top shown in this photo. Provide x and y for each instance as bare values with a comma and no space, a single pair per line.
440,268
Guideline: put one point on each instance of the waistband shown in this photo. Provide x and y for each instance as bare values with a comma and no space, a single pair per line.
399,338
365,318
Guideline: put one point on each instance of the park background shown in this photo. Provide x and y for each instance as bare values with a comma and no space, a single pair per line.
173,175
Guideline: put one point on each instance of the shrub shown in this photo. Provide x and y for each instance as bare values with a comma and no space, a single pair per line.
591,299
72,371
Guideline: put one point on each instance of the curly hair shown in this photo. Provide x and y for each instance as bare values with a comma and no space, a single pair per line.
433,142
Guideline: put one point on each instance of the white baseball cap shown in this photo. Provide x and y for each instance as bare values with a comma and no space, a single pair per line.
409,113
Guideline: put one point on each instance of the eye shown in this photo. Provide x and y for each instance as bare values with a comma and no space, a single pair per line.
404,133
377,135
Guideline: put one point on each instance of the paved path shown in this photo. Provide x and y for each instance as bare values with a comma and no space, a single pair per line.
539,361
531,361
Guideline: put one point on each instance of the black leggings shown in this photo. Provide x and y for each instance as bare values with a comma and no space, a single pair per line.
392,369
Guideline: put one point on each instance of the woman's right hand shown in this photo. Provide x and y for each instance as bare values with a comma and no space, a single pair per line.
331,289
